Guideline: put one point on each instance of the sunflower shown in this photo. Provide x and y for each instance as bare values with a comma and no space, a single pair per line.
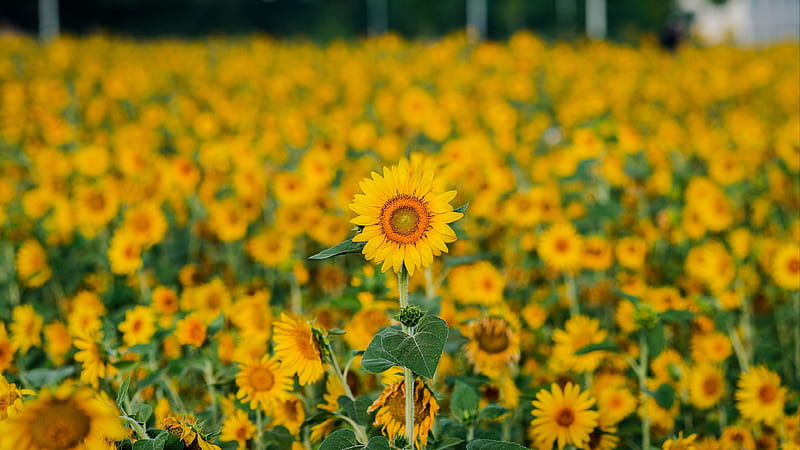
631,252
26,328
11,398
270,248
706,385
298,346
680,442
238,427
579,332
57,342
190,433
263,382
66,419
615,404
561,247
493,345
736,438
563,416
191,330
146,224
760,396
390,411
404,222
6,349
124,253
786,266
91,357
364,325
31,262
139,325
597,254
290,413
712,347
479,283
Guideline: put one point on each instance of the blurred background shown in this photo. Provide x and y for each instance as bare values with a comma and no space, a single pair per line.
714,21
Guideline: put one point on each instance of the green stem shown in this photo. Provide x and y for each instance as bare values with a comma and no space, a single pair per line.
295,297
335,367
797,335
144,288
572,295
137,427
210,380
642,374
259,429
402,284
430,289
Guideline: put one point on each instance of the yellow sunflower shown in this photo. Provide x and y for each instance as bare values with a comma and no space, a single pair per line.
11,398
290,413
405,222
706,385
786,266
124,253
760,396
31,262
736,438
66,419
493,345
6,349
579,332
191,330
264,382
139,325
680,442
91,357
563,416
561,247
186,428
390,410
239,428
26,328
297,345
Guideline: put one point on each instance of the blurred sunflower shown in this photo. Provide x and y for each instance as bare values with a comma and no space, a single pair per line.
597,254
706,385
680,442
561,247
31,263
11,398
263,383
390,411
68,418
289,413
563,416
736,437
404,222
579,332
299,348
146,224
760,396
191,330
238,428
91,357
493,345
786,266
138,326
26,328
124,253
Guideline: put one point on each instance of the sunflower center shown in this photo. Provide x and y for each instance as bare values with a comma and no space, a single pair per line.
307,346
565,417
397,404
710,386
562,245
767,393
60,425
404,219
262,379
493,342
794,266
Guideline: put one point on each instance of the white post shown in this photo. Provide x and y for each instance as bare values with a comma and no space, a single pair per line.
377,17
596,19
477,18
48,20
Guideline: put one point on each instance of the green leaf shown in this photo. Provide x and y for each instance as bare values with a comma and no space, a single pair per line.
464,401
157,443
488,444
216,325
676,316
448,442
341,248
665,396
452,261
47,377
600,346
655,340
126,366
492,412
462,209
421,352
357,410
142,412
346,440
376,359
280,435
123,391
633,299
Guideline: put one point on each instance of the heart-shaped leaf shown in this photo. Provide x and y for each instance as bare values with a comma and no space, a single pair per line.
376,359
346,440
420,352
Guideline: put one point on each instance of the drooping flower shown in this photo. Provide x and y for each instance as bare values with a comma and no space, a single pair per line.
492,345
405,222
297,345
563,416
190,433
390,411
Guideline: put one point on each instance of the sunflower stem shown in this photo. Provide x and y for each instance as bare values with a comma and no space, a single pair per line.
402,285
259,429
335,367
295,297
642,373
430,289
144,288
572,295
797,335
136,427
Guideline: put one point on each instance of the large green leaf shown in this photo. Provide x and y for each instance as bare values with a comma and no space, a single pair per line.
341,248
376,359
665,396
492,412
47,377
488,444
420,352
464,401
346,440
676,316
600,346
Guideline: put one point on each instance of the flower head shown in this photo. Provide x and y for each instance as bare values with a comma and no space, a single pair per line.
563,416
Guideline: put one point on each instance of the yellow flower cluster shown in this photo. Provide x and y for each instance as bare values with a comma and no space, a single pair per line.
630,256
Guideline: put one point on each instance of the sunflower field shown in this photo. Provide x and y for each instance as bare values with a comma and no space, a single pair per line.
244,242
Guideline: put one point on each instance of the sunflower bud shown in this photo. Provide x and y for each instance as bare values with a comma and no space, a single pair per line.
410,315
400,441
645,316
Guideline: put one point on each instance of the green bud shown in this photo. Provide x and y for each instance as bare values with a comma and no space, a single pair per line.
410,315
400,441
645,316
